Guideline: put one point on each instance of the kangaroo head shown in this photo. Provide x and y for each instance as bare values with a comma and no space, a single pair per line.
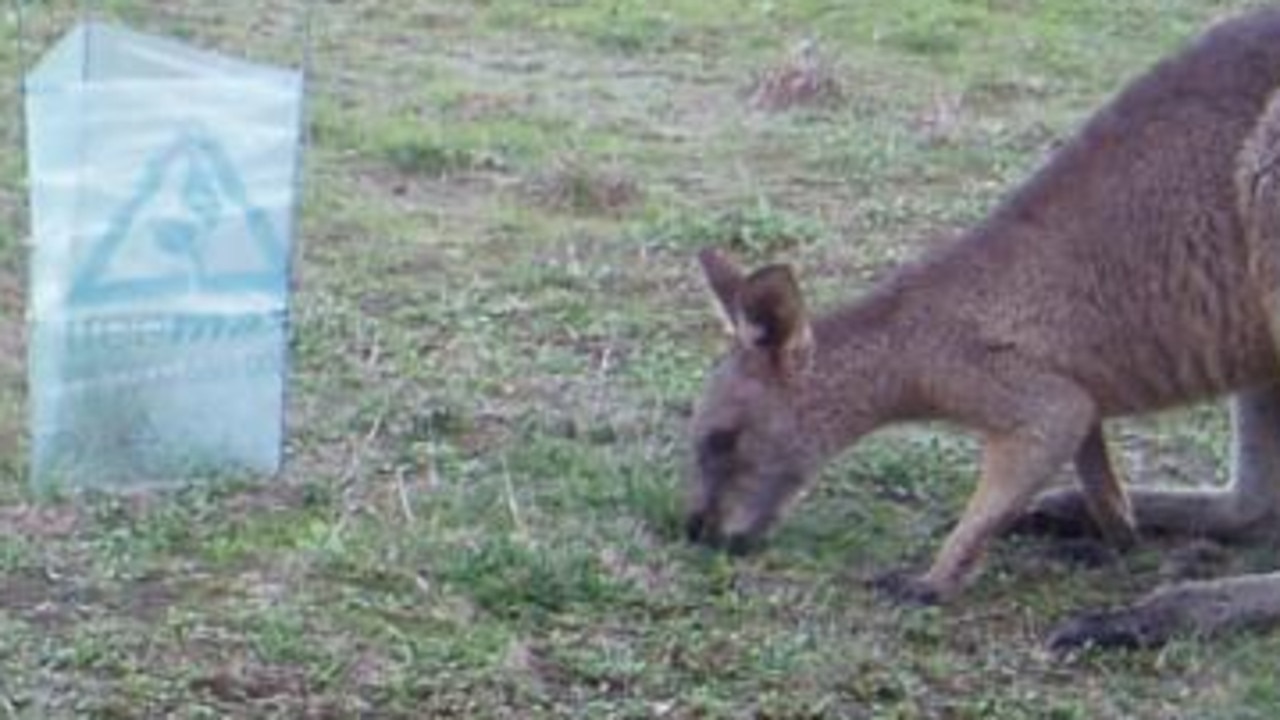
751,449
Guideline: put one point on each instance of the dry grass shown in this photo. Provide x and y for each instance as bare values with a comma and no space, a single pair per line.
807,78
574,185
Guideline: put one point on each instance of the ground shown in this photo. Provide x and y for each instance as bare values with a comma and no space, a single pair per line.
499,330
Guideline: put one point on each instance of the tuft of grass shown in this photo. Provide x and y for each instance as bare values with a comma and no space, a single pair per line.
755,231
510,579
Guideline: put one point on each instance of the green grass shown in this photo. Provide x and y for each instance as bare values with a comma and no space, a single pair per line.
493,361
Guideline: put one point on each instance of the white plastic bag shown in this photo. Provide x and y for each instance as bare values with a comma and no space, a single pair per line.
163,183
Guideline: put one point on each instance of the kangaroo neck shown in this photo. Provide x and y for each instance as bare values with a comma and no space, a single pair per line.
862,372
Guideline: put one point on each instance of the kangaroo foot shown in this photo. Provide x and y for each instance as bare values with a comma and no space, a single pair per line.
1201,608
1128,628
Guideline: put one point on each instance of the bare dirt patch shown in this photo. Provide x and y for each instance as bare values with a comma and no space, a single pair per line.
41,600
274,690
56,602
39,521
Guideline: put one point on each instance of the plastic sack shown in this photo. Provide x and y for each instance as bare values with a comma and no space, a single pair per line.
163,182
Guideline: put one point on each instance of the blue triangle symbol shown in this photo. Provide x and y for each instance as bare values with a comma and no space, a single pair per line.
197,170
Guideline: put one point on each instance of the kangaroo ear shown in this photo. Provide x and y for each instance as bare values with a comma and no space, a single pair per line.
725,280
771,316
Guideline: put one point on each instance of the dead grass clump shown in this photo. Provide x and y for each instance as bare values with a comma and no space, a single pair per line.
570,185
481,105
942,122
805,79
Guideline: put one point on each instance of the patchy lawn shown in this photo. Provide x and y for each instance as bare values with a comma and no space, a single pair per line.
499,332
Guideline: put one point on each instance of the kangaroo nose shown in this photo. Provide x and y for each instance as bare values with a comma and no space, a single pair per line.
700,528
703,528
697,529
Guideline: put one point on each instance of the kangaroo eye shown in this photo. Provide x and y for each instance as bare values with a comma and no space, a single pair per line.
720,442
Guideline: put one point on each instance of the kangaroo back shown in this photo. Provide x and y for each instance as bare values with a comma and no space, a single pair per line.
1123,262
1258,191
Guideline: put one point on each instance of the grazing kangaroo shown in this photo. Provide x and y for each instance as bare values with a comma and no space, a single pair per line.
1138,269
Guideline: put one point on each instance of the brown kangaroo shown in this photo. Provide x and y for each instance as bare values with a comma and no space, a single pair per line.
1138,269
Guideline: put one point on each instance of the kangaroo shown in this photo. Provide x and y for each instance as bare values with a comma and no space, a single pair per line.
1138,269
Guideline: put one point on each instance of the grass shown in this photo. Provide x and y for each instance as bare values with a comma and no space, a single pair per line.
498,333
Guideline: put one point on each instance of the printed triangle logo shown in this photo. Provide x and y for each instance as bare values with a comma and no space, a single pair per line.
188,228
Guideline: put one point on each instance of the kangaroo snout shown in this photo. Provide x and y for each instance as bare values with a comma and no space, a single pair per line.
696,529
702,528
